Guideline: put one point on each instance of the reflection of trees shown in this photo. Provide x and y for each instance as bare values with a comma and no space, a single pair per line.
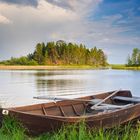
51,82
37,73
29,73
41,73
57,86
51,73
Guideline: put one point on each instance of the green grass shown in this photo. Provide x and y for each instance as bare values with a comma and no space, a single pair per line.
13,130
81,67
124,67
65,67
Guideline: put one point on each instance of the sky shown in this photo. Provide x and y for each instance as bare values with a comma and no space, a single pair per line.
112,25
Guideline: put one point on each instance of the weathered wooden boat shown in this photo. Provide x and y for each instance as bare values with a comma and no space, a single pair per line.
101,110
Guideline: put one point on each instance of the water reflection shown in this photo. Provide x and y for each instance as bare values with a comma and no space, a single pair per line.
19,87
55,87
58,82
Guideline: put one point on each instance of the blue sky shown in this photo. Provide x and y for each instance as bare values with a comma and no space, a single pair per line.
113,25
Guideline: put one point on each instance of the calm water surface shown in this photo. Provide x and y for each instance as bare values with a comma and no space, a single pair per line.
17,87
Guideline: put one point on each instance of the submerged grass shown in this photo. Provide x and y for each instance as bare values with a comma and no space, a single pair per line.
13,130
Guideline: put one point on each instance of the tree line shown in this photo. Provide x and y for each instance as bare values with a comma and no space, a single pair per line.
59,53
134,58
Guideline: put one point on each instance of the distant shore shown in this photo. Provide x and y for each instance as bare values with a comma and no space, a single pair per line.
123,67
50,67
57,67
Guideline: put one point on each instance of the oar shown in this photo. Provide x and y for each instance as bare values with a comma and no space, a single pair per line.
81,100
56,98
99,103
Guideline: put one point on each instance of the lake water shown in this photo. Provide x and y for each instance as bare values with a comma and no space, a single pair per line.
18,87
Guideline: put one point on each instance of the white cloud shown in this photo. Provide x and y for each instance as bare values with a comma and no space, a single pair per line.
4,20
65,19
44,11
48,20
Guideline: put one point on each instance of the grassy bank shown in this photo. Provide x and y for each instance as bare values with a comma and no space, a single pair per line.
12,130
65,67
124,67
49,67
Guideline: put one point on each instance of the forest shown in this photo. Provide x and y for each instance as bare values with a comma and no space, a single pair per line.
61,53
134,58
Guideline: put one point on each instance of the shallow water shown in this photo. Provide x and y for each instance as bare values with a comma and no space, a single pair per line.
18,87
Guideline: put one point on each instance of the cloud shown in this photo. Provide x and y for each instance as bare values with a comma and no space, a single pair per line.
4,20
21,2
62,3
70,20
31,25
78,6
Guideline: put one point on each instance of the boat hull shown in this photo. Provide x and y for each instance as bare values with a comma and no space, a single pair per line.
36,124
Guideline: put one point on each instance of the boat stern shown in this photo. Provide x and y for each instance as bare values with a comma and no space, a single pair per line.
1,117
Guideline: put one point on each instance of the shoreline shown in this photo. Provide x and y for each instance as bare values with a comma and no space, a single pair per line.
50,67
65,67
12,67
123,67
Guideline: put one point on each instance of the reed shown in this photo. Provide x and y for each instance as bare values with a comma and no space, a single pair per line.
13,130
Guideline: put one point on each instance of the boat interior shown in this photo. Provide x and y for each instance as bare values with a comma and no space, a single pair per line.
89,105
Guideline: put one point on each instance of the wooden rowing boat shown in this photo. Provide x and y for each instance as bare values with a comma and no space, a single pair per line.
117,109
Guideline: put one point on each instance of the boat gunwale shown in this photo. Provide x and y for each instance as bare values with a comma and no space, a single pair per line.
100,115
59,102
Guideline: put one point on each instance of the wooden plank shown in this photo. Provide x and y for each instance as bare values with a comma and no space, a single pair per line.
44,111
74,109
